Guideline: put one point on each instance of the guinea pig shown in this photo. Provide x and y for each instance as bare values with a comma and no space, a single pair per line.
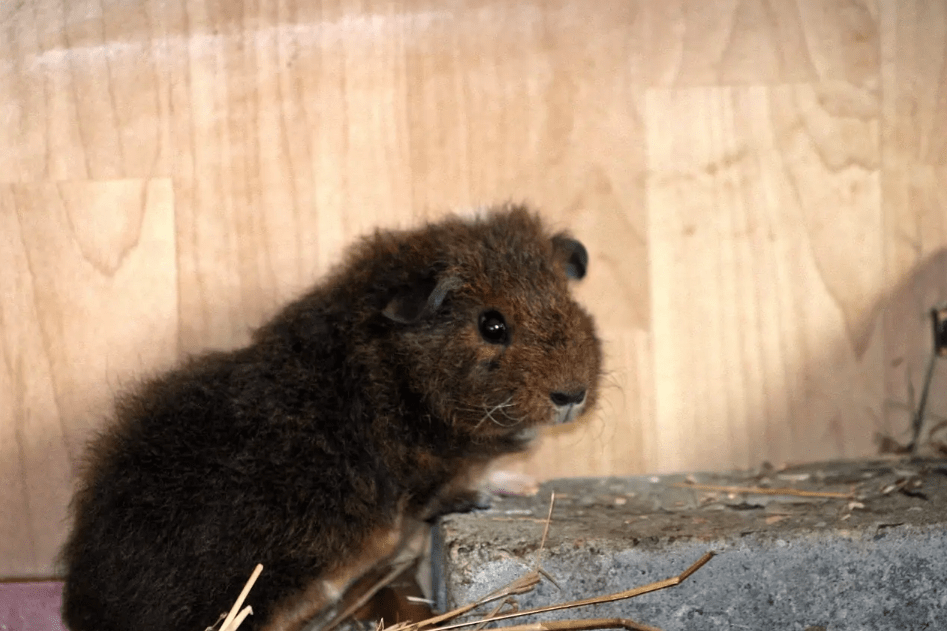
365,406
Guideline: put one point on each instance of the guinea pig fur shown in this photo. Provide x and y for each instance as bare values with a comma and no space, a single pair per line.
366,405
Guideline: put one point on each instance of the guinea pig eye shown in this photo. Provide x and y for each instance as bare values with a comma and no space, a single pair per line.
493,327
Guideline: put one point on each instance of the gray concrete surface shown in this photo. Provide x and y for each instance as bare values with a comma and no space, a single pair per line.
876,561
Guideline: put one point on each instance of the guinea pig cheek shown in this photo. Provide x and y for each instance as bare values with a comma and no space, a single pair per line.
464,384
493,396
527,402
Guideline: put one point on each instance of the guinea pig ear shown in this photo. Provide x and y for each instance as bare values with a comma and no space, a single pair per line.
574,256
419,299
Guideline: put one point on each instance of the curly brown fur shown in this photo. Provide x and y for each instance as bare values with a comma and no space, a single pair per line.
364,405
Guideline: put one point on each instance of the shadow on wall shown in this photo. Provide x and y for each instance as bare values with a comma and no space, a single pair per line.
860,394
909,344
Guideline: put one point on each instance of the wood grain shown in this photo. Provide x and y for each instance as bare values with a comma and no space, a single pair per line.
90,300
83,94
914,134
754,273
757,42
758,182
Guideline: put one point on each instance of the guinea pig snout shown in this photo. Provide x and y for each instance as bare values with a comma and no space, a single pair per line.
568,404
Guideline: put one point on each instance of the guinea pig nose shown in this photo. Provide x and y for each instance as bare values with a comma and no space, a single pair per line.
562,399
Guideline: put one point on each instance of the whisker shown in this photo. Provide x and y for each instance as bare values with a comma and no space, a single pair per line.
500,407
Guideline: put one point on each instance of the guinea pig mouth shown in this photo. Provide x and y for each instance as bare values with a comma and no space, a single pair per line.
567,413
507,417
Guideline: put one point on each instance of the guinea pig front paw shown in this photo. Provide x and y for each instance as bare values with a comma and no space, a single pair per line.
469,501
474,500
465,501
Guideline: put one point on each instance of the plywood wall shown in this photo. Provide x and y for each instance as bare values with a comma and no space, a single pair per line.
761,186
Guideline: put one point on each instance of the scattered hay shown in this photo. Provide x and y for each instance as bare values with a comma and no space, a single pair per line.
529,581
506,609
762,490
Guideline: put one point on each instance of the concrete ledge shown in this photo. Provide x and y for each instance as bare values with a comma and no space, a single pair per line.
878,561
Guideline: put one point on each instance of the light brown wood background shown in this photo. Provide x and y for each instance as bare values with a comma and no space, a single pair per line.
761,185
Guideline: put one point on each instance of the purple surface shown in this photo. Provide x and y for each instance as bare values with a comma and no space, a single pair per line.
31,606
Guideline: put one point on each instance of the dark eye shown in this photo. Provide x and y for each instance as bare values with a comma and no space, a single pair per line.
493,327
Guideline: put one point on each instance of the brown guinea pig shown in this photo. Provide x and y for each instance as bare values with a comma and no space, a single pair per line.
364,406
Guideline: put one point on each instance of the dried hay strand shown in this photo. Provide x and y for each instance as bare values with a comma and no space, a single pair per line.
528,582
763,490
396,571
507,608
410,551
235,617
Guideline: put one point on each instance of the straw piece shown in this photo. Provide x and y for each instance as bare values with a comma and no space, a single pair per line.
583,625
396,571
631,593
542,543
229,620
759,490
239,619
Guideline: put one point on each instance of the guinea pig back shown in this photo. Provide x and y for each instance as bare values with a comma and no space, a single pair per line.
365,406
